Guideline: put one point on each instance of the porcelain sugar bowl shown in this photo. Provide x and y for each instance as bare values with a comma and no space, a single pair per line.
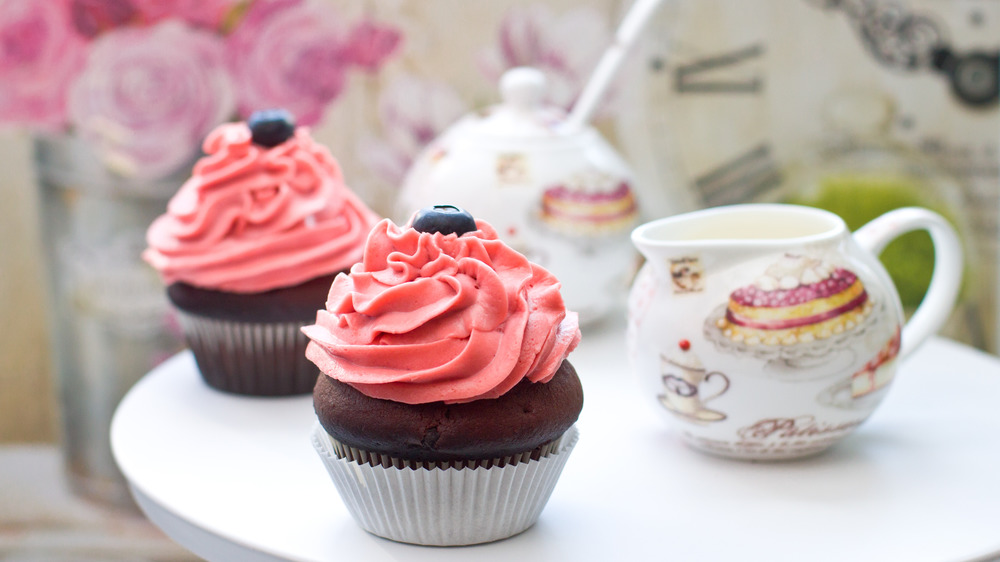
555,191
770,331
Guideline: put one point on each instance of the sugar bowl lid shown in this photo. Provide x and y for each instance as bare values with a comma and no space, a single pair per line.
522,114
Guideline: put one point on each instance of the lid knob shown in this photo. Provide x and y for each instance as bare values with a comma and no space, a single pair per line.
523,87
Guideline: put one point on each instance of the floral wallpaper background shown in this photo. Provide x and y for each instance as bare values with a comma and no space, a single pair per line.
142,81
718,93
416,97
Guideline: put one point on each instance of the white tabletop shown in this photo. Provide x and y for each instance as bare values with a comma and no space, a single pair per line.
235,478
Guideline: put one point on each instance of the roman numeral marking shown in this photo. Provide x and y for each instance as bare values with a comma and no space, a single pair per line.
740,179
691,77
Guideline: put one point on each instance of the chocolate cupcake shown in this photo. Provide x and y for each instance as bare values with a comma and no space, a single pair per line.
523,420
446,393
248,248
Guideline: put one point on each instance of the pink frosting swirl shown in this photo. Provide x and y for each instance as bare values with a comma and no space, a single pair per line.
430,317
252,219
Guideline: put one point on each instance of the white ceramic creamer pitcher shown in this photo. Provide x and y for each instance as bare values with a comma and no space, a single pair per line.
769,331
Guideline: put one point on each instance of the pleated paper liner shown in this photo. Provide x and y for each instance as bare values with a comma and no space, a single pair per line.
444,504
251,358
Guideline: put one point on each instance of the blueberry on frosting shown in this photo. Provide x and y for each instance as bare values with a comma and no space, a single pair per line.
446,219
271,127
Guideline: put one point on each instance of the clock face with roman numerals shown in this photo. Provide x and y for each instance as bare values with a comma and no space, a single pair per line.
750,170
695,118
729,91
726,95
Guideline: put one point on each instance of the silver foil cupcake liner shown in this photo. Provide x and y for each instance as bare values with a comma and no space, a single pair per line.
462,503
258,359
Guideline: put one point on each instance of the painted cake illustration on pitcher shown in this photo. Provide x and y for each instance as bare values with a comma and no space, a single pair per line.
798,299
865,386
589,203
877,373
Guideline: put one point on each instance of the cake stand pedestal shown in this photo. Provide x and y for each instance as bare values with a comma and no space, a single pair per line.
235,478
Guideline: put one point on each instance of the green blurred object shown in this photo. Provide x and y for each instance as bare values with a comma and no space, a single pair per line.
860,197
858,170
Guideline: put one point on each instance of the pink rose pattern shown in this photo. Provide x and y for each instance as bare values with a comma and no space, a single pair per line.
295,54
147,79
40,54
148,96
210,14
91,17
412,112
370,44
565,47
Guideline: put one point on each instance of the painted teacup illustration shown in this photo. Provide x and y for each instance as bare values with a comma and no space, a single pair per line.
687,386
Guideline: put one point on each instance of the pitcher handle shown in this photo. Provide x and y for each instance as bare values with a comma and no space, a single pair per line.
947,276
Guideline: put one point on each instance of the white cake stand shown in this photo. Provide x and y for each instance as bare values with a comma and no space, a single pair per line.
234,478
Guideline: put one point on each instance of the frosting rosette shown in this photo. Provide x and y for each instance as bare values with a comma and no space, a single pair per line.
253,218
428,317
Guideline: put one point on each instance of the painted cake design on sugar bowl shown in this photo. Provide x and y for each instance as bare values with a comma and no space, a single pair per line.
798,300
589,203
446,404
248,248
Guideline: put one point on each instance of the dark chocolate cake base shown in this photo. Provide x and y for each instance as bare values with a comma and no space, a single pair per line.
252,344
525,418
288,304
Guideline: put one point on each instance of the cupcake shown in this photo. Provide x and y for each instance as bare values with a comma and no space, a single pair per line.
446,404
248,249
